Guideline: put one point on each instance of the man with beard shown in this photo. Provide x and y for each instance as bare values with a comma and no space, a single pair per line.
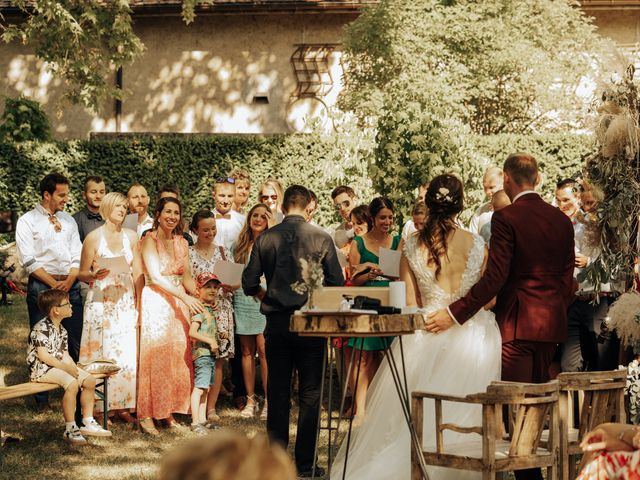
139,220
49,249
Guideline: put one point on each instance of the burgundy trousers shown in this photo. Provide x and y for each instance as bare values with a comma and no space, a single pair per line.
526,361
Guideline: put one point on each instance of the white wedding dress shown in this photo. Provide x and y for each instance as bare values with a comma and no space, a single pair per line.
461,360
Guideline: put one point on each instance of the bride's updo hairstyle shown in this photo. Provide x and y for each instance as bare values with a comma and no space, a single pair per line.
444,200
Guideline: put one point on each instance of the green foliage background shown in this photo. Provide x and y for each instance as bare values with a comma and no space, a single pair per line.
559,155
320,162
191,163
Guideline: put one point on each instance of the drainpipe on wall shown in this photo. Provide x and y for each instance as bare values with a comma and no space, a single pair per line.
118,101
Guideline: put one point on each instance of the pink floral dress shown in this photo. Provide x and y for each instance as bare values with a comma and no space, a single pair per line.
165,377
109,327
613,465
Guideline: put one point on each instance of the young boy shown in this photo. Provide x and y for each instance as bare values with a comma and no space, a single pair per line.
228,221
49,362
204,332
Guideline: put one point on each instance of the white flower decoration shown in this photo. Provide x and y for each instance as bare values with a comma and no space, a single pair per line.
443,195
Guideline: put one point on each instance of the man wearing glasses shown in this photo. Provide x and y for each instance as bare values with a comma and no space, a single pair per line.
49,250
228,221
344,200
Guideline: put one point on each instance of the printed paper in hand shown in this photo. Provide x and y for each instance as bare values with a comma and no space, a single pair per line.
115,265
131,221
390,262
229,273
342,259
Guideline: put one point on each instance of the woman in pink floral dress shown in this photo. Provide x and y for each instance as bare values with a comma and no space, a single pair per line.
611,452
165,376
110,316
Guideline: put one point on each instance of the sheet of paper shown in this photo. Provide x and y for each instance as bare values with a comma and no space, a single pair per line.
390,262
115,265
342,259
229,273
131,221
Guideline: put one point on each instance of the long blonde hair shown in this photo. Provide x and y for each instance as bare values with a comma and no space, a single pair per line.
246,239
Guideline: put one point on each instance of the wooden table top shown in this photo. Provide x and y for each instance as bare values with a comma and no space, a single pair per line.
348,324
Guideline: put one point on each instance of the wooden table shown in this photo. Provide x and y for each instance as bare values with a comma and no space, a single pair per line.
358,325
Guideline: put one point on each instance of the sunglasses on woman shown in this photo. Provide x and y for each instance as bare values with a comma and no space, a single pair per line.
267,197
226,180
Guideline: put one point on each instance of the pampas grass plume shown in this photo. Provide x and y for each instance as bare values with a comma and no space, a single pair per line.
623,317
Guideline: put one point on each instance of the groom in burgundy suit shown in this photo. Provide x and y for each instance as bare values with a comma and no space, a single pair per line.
530,272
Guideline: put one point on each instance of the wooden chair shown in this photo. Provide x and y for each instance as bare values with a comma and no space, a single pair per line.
535,406
600,400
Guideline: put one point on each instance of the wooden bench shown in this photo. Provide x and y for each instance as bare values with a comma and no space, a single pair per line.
31,388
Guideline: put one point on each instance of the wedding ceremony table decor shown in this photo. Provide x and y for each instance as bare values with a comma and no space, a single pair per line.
332,324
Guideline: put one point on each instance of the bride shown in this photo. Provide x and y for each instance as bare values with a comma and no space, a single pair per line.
439,265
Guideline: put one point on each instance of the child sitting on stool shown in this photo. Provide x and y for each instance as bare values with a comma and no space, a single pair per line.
49,362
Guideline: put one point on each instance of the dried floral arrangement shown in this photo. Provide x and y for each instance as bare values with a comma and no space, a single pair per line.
312,279
614,170
624,317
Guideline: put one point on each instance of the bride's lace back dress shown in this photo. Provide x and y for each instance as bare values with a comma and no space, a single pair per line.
461,360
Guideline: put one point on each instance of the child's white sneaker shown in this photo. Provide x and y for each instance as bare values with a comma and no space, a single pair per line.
91,428
74,437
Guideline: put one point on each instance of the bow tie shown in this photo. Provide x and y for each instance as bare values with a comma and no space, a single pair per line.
53,220
94,216
226,215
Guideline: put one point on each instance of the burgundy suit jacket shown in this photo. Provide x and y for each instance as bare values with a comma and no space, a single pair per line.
530,270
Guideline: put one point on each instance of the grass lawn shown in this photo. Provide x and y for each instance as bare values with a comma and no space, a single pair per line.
42,454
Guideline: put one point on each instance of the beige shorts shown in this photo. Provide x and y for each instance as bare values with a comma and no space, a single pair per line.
62,378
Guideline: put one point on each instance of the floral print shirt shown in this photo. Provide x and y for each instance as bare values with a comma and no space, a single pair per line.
45,334
208,321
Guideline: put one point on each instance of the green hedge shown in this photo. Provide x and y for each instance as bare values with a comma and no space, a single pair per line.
192,163
560,155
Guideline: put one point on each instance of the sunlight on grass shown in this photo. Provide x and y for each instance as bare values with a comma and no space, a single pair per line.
42,453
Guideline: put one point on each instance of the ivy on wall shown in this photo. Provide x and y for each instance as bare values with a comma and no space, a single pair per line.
193,163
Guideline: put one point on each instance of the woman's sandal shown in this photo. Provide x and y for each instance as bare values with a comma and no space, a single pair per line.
147,426
250,409
126,416
213,417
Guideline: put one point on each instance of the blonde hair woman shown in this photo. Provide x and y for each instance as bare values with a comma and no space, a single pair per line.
110,316
250,322
270,194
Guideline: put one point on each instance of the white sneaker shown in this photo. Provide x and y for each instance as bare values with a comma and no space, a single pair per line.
74,437
92,429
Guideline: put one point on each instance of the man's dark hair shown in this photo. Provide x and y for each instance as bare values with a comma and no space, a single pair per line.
169,189
48,299
296,196
51,181
92,178
342,189
522,168
314,197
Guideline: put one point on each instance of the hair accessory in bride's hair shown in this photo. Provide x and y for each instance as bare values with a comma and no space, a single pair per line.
442,195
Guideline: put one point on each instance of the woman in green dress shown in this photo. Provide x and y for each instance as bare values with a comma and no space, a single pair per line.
364,254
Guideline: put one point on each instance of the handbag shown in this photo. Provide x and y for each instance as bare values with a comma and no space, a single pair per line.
100,365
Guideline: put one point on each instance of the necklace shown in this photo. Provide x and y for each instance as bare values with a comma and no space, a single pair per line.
205,252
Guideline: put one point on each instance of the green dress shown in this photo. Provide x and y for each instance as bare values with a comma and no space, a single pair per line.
372,343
